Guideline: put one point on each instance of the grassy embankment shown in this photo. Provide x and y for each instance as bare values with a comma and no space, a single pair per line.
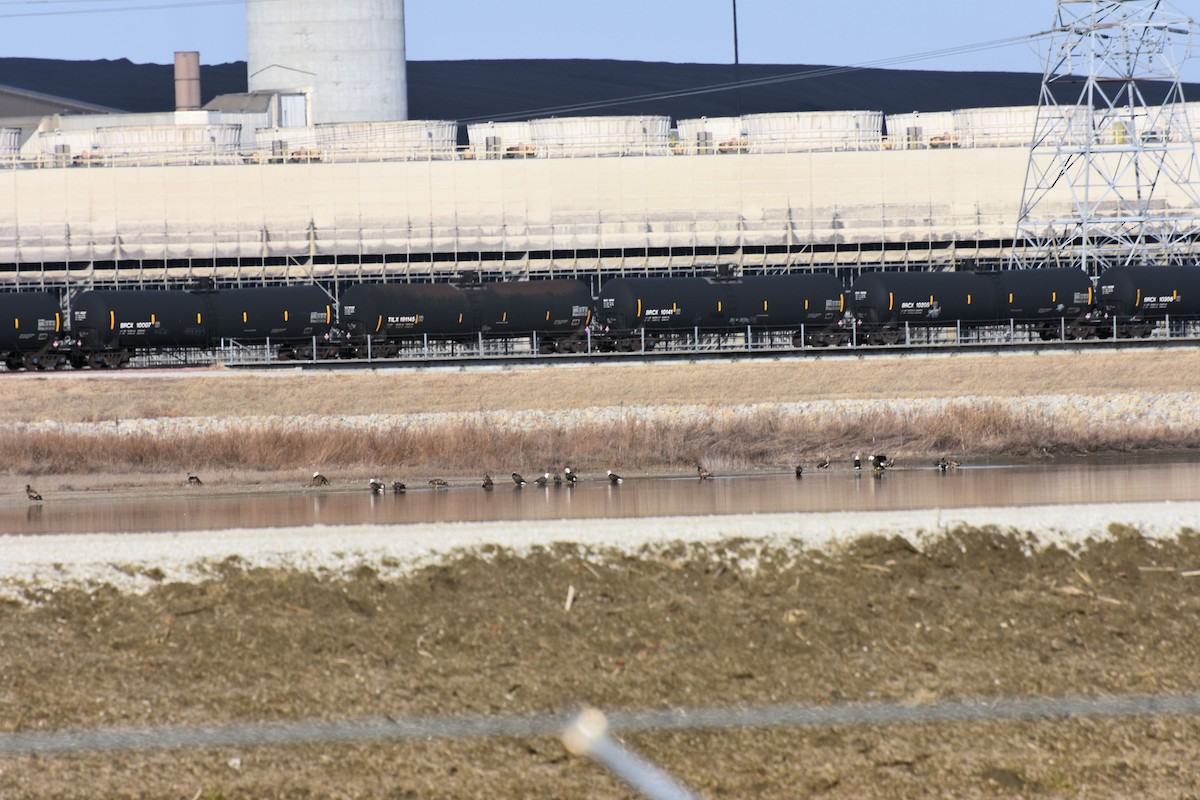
985,415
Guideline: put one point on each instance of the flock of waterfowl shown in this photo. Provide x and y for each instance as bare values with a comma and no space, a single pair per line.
570,477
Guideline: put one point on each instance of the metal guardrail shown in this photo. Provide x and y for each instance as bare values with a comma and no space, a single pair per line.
748,341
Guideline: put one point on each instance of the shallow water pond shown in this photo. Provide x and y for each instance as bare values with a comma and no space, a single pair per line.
920,486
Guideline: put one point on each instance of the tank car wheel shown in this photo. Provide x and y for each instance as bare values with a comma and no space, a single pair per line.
34,361
14,363
889,337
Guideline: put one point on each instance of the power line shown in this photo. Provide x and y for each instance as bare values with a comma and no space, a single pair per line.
806,715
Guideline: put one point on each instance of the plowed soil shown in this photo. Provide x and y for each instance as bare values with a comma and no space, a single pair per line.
978,614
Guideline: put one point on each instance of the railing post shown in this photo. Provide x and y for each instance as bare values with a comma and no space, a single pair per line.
369,344
1167,320
268,349
425,345
803,341
534,342
643,341
907,335
1062,329
480,335
696,339
588,333
1012,330
749,346
958,333
853,333
314,350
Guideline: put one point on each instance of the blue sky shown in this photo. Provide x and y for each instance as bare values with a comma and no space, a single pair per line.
838,32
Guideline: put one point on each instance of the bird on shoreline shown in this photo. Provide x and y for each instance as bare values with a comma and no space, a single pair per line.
438,483
542,480
879,463
823,463
398,487
32,494
944,464
194,480
703,473
571,475
858,462
376,485
319,480
614,478
487,483
518,480
800,470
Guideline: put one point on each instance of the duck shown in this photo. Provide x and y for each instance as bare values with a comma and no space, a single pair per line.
32,494
703,473
823,463
487,483
800,470
194,480
614,478
518,480
398,487
438,483
319,480
376,485
542,480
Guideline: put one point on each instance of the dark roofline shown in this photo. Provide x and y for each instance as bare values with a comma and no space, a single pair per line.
67,103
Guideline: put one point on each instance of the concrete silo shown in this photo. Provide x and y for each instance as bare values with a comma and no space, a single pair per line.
348,55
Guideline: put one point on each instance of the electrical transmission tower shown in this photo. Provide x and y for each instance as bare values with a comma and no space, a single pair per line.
1112,176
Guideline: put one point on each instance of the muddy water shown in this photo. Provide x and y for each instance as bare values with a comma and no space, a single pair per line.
217,508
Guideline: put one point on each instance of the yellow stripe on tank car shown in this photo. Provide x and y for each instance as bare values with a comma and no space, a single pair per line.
673,308
57,322
328,314
842,303
547,316
460,318
1054,297
17,323
504,317
198,321
1010,298
805,304
285,315
379,323
153,319
1138,301
639,308
112,320
587,320
968,298
891,301
765,304
245,316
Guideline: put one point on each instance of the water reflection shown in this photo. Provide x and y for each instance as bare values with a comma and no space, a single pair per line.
816,491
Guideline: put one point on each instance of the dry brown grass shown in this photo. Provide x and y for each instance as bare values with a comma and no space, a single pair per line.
744,442
223,392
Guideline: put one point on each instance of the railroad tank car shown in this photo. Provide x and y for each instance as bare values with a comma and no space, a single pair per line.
110,325
884,302
1058,301
662,307
30,324
1132,300
554,312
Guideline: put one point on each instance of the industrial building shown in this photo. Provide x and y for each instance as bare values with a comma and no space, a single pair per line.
316,174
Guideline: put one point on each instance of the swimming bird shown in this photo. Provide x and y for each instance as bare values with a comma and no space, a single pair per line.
31,494
614,478
438,483
799,470
319,480
518,480
398,487
823,463
193,480
542,480
376,485
944,464
703,473
487,482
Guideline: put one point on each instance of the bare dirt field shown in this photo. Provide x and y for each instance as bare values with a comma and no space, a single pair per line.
976,613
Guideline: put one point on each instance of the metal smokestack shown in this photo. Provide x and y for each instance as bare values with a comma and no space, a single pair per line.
187,80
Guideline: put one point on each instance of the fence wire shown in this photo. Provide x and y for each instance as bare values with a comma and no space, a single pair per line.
388,728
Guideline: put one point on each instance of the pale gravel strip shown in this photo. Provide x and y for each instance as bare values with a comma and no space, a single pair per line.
1164,411
125,561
